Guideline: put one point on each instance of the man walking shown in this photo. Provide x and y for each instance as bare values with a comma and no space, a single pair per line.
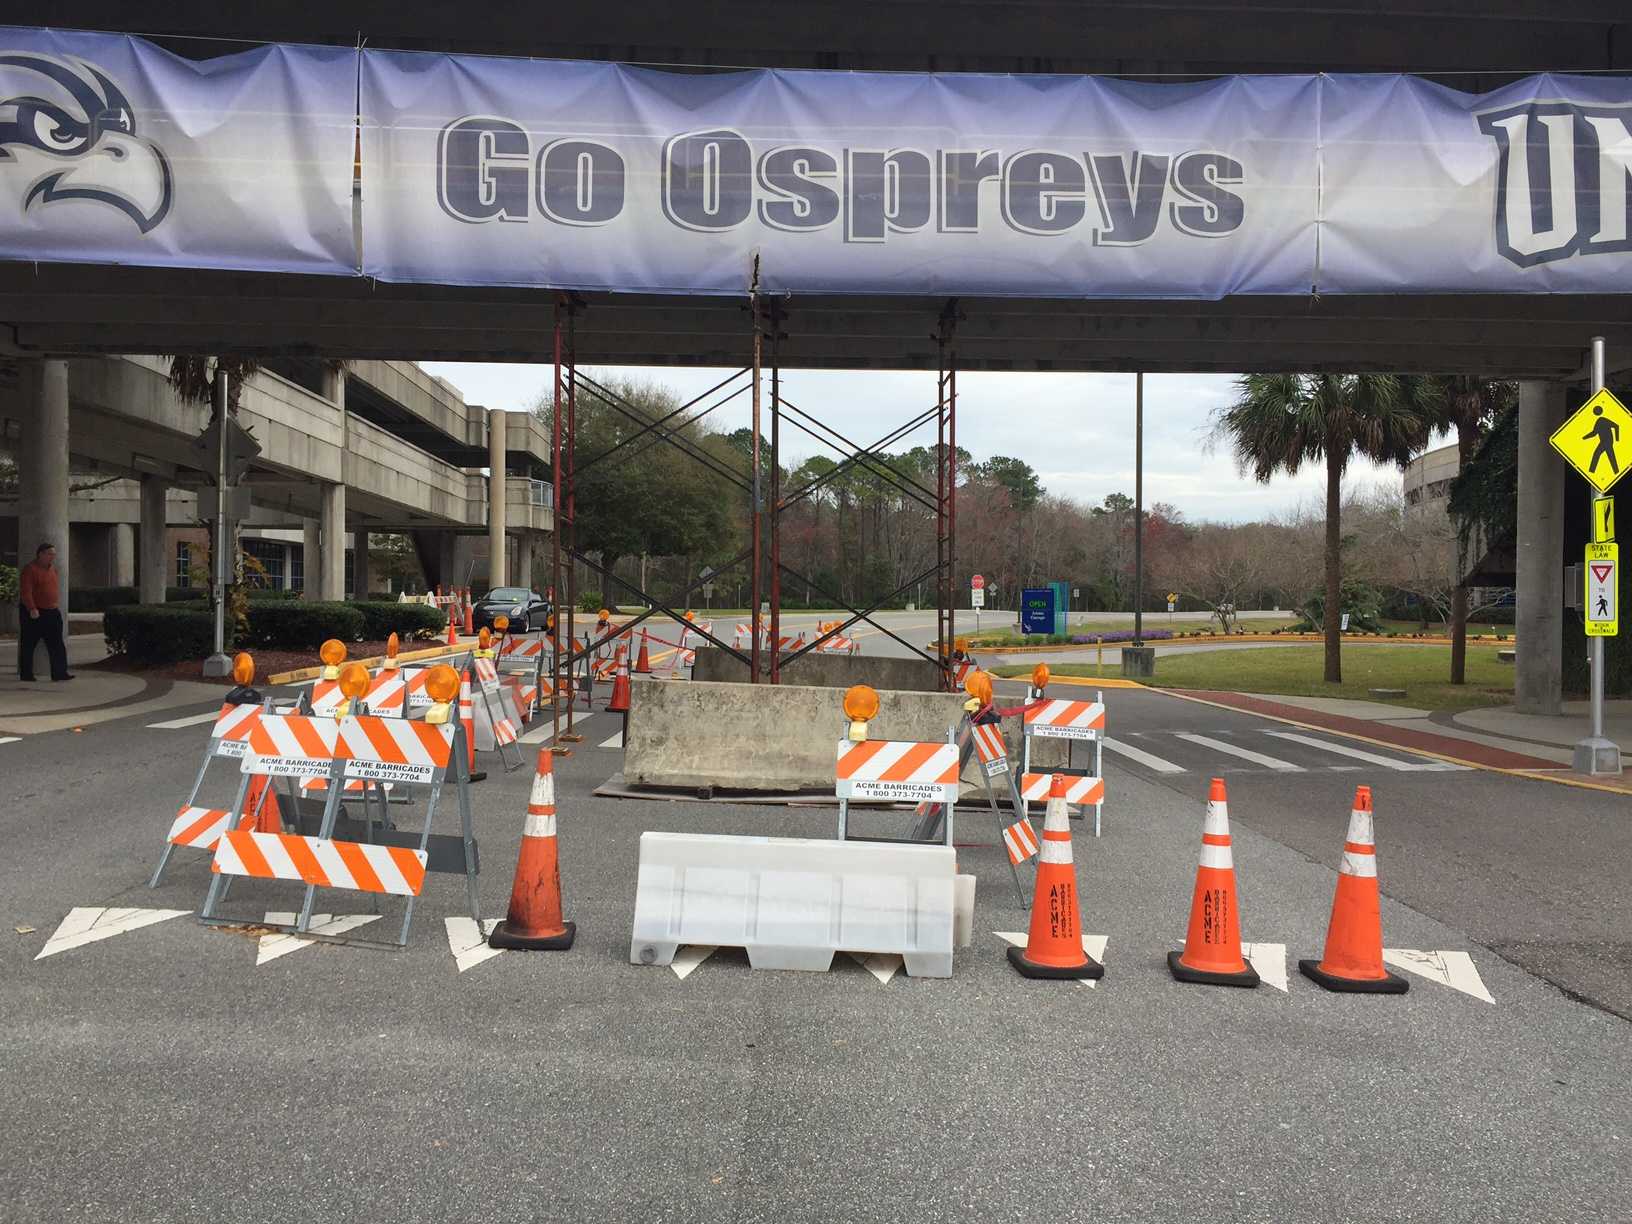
40,595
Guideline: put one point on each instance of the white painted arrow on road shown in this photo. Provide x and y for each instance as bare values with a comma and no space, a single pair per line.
280,943
1453,969
89,923
468,943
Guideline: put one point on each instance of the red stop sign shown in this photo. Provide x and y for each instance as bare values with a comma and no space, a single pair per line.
977,582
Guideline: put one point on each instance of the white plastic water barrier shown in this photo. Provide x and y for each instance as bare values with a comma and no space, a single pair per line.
793,902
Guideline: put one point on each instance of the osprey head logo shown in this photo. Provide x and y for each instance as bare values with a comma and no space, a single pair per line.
68,133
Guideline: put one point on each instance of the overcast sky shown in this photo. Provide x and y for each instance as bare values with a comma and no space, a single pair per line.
1076,430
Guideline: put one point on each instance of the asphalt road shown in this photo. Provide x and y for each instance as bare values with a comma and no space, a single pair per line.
162,1075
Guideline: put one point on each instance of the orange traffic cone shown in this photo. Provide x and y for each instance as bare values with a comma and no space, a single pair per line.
453,633
470,614
1353,960
619,701
261,806
1212,947
467,720
534,921
1054,946
643,663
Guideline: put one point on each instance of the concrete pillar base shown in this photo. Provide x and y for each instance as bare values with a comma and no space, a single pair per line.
1597,757
1138,662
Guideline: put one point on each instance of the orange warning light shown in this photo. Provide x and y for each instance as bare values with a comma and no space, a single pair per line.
354,680
501,623
603,615
979,686
392,645
484,639
243,668
1039,676
961,645
332,652
860,703
442,683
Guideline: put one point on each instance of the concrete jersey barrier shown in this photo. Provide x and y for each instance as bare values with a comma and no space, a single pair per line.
771,737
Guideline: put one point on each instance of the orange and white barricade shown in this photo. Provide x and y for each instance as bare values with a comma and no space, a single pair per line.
361,748
200,827
387,697
987,745
387,694
1046,718
900,771
495,720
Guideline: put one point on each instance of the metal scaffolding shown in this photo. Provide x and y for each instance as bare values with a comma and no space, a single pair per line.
766,506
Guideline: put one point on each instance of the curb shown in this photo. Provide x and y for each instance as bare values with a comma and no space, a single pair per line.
302,674
1291,639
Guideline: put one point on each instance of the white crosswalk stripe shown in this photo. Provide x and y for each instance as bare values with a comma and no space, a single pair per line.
1235,750
17,739
1371,758
615,741
1148,759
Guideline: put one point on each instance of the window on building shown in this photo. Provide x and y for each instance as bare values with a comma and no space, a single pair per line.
297,567
184,564
351,569
269,555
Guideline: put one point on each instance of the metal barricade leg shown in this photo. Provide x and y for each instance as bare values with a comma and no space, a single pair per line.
331,812
192,798
219,884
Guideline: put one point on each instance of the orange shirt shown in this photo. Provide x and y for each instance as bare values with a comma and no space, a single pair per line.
37,588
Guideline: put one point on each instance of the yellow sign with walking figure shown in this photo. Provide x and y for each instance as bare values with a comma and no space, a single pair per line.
1596,440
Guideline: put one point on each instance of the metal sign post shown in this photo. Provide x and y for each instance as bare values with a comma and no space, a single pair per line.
1596,754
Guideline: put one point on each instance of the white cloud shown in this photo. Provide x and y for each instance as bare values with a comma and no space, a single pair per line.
1076,430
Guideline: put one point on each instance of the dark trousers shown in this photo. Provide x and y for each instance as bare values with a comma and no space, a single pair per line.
47,628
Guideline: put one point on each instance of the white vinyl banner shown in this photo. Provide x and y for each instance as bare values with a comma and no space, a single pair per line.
1429,190
114,151
582,175
598,176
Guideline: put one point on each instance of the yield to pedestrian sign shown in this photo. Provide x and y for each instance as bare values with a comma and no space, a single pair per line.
1603,616
1596,440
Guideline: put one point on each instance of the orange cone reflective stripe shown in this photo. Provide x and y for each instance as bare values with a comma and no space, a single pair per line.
1212,945
533,922
1054,943
643,662
1353,960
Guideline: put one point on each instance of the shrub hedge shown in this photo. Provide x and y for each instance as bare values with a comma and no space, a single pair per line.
153,633
299,624
382,618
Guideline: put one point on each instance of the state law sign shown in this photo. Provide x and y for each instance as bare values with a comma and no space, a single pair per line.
977,591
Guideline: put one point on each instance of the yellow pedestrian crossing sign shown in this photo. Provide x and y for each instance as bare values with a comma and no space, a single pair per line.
1603,520
1596,440
1602,615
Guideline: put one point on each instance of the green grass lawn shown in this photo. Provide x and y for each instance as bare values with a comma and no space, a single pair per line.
1296,671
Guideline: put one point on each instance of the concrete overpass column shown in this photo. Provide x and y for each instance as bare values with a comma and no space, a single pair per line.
311,557
524,561
331,575
122,554
153,566
1538,671
42,469
359,565
495,500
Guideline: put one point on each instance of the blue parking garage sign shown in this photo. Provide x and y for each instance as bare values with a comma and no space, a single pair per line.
1037,610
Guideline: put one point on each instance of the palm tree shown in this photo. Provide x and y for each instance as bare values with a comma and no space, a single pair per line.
1466,404
1282,421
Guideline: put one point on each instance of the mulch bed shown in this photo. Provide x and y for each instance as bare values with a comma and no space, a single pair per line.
267,663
